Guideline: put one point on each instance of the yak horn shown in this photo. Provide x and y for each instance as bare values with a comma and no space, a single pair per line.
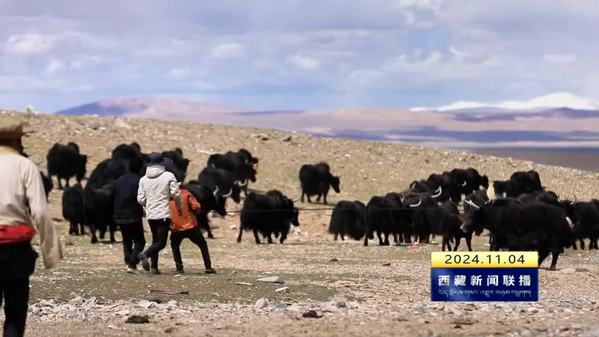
228,194
215,192
418,204
438,192
464,183
471,203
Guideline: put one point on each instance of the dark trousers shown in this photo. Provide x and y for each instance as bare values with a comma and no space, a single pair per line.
195,235
160,229
134,241
17,263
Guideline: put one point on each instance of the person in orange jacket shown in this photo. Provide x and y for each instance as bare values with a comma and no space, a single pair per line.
184,224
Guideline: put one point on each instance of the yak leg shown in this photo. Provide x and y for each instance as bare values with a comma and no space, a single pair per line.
366,238
542,256
209,231
325,198
112,229
469,241
378,234
73,230
457,239
335,237
240,234
554,256
67,179
256,237
81,229
283,237
309,200
581,243
444,242
269,238
342,237
302,197
92,229
386,236
59,183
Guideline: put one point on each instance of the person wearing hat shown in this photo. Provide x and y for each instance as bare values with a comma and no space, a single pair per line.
23,214
156,189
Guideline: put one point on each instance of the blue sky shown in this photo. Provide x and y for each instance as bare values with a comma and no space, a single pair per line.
296,54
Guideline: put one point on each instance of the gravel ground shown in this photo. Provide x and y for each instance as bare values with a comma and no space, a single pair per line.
352,290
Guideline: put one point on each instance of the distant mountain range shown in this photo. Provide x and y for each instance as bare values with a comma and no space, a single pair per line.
556,121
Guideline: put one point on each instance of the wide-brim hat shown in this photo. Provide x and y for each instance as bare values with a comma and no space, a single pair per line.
11,128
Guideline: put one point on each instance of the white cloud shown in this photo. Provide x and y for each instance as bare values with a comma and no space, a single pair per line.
554,100
228,50
560,58
304,62
178,73
54,67
29,44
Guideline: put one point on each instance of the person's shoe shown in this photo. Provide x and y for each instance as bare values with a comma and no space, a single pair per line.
131,270
210,271
155,272
144,261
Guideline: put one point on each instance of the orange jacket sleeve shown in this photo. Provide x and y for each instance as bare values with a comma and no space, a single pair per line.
195,205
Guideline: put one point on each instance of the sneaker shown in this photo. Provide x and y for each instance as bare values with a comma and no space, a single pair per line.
155,272
144,261
210,271
131,270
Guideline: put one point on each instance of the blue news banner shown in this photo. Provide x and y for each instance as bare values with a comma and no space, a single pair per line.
485,284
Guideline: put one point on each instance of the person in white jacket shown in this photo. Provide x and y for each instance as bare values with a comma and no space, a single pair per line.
23,214
156,189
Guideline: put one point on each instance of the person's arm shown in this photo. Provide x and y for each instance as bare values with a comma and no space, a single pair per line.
141,194
174,187
49,237
175,192
195,204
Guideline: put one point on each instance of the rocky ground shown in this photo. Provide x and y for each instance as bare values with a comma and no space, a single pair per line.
324,288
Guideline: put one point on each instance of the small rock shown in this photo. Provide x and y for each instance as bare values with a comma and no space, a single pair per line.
386,264
567,271
311,314
334,260
244,284
146,304
339,304
282,290
272,279
288,138
124,312
136,319
261,303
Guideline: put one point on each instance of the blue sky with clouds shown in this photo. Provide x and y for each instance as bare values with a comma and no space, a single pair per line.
296,54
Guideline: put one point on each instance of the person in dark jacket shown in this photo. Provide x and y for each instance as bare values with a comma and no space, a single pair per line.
128,215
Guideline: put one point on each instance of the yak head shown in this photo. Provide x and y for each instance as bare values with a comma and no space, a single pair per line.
335,182
474,217
502,188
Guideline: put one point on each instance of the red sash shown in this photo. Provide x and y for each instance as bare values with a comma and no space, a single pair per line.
16,234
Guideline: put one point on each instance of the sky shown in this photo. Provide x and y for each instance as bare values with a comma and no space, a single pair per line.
296,54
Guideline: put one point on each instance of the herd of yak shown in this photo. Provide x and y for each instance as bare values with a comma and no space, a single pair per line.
525,216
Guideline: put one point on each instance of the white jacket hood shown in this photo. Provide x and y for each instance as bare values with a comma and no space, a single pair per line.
154,171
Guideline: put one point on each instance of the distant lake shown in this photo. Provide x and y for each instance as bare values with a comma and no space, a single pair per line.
580,158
